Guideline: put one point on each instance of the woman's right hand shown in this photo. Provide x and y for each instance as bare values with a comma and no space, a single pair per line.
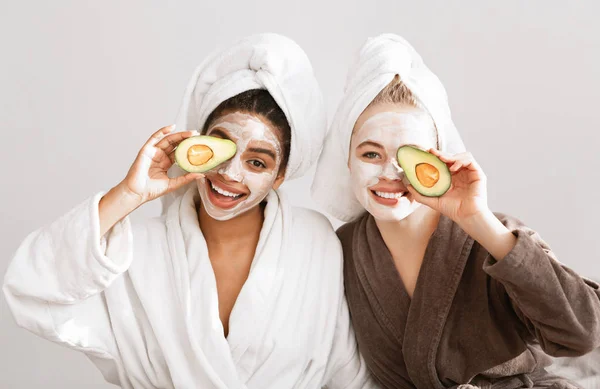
147,178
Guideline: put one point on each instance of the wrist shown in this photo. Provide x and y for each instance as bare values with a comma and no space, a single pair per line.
486,229
122,196
482,218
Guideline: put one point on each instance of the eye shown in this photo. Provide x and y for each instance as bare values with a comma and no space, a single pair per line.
257,164
371,155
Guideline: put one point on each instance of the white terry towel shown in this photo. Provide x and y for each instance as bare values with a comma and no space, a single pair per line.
262,61
379,60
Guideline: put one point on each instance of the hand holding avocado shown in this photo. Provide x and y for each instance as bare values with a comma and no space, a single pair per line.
147,178
457,188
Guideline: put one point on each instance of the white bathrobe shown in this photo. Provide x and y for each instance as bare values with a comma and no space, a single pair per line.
142,302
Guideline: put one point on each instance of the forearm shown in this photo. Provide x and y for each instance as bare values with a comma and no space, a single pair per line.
486,229
116,204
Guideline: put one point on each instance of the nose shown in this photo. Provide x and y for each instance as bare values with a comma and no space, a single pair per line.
232,170
396,165
392,171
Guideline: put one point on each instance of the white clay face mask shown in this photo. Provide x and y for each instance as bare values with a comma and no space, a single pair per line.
239,186
378,181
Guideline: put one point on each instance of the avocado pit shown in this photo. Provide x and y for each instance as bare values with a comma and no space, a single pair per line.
199,154
427,174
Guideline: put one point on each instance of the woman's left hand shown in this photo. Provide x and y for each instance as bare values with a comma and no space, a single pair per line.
467,195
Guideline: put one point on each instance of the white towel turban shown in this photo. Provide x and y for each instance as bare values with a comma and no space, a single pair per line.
262,61
379,60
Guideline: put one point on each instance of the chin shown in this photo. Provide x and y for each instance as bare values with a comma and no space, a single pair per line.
392,214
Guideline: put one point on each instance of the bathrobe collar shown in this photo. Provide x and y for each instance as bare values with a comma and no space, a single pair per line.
419,331
227,360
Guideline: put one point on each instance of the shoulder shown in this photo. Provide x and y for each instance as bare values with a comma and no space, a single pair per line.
315,254
346,231
314,235
312,221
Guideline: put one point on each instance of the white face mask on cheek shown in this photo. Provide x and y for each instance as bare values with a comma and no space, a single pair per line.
390,130
243,128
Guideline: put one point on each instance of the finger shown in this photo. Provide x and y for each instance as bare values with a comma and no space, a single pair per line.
443,156
171,156
177,182
165,161
170,142
456,166
468,161
158,135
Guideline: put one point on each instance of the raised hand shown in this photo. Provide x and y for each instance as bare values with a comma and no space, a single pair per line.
467,195
147,178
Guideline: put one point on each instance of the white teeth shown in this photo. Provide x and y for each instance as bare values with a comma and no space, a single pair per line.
224,192
388,195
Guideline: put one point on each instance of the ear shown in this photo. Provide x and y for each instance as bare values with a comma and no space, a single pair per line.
278,181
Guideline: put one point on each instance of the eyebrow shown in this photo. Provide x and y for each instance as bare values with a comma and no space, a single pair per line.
260,150
220,133
370,143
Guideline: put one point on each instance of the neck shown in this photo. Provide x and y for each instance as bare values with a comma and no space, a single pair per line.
415,229
238,231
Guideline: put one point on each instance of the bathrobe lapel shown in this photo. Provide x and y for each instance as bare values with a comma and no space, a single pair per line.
377,273
444,261
193,273
232,359
249,320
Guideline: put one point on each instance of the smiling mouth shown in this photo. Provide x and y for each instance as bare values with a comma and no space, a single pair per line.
223,192
223,198
388,195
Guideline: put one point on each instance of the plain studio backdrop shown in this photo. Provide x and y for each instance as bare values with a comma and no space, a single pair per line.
84,84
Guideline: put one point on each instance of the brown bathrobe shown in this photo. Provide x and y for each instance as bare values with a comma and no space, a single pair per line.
472,319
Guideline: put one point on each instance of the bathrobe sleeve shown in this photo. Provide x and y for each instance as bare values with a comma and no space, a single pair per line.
54,282
557,306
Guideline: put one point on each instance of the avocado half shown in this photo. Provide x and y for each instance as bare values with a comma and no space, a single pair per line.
201,153
428,174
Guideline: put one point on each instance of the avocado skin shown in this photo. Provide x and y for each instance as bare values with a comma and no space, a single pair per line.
409,157
223,150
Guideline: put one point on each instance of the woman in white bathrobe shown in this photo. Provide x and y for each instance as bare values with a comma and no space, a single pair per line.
231,287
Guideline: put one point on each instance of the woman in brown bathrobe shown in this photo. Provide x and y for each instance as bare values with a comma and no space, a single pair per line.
443,292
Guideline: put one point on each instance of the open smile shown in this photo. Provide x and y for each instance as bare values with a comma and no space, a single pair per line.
387,198
223,198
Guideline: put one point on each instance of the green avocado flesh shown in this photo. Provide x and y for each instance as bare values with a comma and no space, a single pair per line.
425,172
201,153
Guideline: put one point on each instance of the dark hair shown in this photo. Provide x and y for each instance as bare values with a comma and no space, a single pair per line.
258,102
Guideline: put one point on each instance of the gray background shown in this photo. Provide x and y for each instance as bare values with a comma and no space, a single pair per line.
83,84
